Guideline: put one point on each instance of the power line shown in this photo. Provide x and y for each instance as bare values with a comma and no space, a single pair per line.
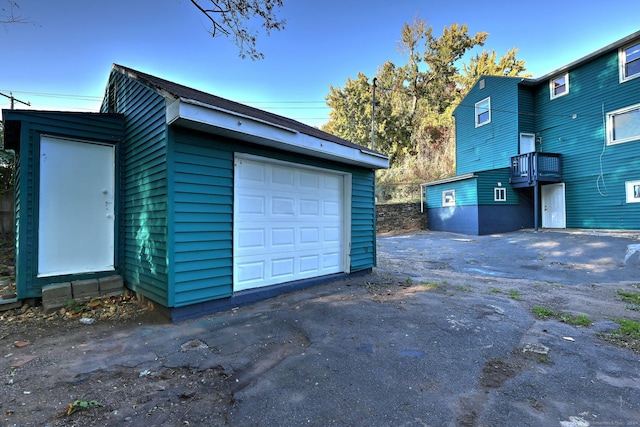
14,100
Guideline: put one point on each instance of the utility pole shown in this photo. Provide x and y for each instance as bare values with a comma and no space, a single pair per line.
373,114
14,100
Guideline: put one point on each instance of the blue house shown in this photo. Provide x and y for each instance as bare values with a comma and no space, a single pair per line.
198,202
559,151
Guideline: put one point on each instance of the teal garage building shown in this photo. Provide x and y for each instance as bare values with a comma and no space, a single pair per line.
198,202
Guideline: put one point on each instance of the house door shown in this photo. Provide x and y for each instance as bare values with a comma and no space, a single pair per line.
553,206
527,143
76,207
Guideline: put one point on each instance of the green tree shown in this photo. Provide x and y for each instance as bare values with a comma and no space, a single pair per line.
415,100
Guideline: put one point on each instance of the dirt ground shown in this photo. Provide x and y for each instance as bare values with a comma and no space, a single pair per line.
34,391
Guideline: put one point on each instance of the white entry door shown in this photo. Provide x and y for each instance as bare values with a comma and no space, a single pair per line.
553,206
76,207
289,222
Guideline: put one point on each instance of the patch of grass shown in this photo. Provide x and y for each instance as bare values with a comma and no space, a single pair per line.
575,320
515,294
630,297
626,336
543,312
628,328
496,291
464,288
431,285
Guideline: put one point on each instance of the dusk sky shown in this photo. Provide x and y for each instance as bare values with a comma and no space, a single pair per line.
62,59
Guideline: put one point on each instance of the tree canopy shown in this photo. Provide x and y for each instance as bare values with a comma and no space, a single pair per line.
415,100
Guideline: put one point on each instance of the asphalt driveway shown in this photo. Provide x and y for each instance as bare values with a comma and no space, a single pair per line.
441,334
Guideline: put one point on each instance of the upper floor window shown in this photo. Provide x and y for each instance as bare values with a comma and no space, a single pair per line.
559,86
629,59
623,125
483,112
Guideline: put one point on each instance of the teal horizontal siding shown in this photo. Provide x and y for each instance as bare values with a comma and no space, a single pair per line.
203,220
489,146
145,187
488,181
103,128
574,125
466,193
202,169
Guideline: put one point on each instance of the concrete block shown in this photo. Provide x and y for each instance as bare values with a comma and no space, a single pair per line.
83,289
111,286
55,296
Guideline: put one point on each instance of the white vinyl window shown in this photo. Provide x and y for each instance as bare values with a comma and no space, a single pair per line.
483,112
629,59
623,125
559,86
499,194
448,198
633,191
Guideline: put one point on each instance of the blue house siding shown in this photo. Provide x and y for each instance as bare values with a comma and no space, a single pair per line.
22,133
489,146
574,125
202,176
476,212
145,186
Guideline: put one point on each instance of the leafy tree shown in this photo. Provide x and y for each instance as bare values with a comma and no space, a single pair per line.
415,100
232,17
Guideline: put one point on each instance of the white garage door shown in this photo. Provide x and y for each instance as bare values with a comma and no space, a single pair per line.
289,222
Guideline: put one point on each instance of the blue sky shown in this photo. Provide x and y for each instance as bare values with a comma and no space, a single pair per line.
63,59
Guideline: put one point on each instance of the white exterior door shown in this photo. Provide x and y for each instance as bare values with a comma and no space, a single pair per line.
553,206
76,207
289,222
527,143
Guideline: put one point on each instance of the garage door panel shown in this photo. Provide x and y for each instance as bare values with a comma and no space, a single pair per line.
301,216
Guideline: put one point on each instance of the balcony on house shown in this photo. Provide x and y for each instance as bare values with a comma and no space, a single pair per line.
531,168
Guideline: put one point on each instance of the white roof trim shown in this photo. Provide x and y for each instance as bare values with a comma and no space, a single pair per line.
450,179
207,118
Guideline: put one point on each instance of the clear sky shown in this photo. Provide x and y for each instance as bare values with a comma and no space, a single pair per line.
62,60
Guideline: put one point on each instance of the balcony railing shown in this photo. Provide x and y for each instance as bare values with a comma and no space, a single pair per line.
529,168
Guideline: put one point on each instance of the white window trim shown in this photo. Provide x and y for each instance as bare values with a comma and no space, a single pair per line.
609,130
475,118
497,196
552,95
633,191
448,198
622,61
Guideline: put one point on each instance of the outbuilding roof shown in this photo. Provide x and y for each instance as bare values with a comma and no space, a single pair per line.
196,109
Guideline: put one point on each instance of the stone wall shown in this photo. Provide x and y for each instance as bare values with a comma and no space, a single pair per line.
400,217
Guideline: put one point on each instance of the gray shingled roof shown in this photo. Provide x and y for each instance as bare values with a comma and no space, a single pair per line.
180,91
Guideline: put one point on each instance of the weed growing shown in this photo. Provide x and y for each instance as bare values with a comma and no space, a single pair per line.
575,320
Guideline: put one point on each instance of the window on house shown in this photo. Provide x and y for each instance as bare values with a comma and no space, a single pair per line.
499,194
483,112
449,198
633,191
559,86
623,125
629,58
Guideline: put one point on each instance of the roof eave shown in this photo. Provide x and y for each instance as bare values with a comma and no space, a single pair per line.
214,120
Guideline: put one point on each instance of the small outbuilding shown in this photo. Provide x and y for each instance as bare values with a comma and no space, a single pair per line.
199,203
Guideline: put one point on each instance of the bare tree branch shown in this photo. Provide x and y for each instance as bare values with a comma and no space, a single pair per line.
235,17
8,14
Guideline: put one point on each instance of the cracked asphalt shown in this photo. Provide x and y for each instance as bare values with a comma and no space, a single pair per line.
440,334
